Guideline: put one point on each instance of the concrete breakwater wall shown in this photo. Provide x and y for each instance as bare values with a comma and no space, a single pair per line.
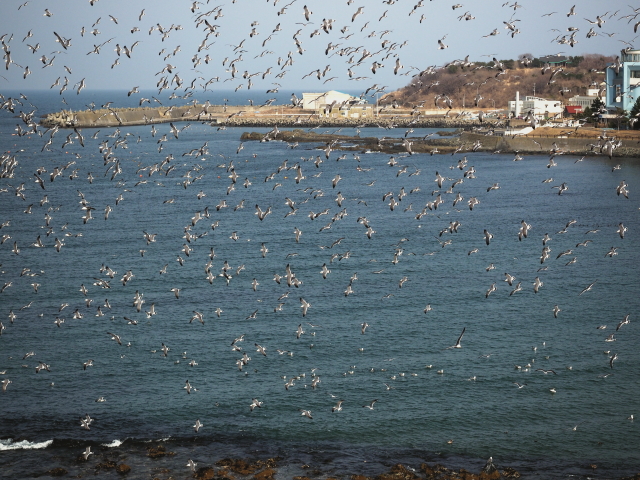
239,115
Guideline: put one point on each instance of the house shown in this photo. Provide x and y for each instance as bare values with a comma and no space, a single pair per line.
540,107
554,60
623,80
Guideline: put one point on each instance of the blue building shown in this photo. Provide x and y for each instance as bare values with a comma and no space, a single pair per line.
623,80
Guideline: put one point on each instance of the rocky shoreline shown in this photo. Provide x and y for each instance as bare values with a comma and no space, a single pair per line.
462,142
269,469
474,136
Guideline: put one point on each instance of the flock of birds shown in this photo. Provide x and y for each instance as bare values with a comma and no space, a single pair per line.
364,44
111,149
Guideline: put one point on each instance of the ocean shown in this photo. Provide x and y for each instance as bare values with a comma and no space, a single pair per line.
454,406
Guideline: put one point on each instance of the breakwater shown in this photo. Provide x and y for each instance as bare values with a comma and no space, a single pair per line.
248,116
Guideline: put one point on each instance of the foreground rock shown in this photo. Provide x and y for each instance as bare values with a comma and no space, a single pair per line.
57,472
159,451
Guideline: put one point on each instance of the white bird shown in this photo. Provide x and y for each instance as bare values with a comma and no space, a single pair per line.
198,425
358,12
537,284
188,387
87,452
457,345
370,406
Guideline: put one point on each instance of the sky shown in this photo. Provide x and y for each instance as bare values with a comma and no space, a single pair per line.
259,35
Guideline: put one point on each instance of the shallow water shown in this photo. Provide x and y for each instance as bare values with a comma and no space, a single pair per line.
530,428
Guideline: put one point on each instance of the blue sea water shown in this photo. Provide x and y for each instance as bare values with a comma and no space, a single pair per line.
460,417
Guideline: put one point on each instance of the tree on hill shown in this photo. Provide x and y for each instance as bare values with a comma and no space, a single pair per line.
597,104
495,84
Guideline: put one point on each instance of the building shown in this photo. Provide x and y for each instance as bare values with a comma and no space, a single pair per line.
351,111
554,60
623,79
317,101
584,101
541,107
574,109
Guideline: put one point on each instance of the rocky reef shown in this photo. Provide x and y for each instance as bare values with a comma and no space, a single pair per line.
265,470
462,141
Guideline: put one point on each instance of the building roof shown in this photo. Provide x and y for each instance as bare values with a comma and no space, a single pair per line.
554,59
330,92
573,109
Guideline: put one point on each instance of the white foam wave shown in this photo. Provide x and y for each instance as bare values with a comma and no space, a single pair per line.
23,445
115,443
158,440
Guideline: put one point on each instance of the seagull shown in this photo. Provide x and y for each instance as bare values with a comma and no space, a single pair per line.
545,371
188,387
337,407
621,230
613,358
87,452
587,288
198,425
370,406
261,349
457,345
115,337
625,321
305,306
537,284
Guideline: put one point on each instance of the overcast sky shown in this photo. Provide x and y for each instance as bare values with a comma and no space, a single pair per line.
410,29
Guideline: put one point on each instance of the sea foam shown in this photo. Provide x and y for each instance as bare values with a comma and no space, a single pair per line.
115,443
23,445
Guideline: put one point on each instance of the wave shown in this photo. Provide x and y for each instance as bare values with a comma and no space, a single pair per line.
115,443
23,445
165,439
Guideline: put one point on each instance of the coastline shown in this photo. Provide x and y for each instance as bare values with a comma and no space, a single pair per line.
259,460
474,135
461,142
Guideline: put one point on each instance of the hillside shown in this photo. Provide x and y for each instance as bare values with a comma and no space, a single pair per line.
463,82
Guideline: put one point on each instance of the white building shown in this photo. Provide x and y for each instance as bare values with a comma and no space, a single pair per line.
584,101
541,107
317,101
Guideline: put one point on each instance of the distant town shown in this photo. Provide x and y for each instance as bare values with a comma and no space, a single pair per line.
560,91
